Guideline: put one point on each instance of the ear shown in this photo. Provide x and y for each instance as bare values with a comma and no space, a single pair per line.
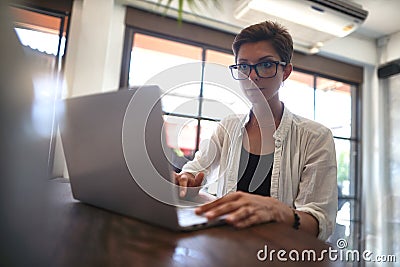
286,71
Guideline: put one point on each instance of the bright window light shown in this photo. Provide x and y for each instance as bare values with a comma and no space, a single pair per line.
41,41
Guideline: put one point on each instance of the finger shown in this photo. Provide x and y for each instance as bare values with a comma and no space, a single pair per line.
198,179
256,216
239,214
248,221
221,201
183,181
223,209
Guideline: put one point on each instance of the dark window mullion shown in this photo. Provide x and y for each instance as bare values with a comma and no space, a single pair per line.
349,197
355,161
203,57
126,57
351,139
60,36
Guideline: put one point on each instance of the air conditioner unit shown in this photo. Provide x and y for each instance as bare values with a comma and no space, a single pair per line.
310,22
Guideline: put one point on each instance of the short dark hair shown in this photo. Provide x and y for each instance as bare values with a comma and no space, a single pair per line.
271,31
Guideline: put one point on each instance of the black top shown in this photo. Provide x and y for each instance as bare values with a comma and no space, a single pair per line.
255,173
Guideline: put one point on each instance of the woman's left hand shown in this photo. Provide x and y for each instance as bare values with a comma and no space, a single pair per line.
244,209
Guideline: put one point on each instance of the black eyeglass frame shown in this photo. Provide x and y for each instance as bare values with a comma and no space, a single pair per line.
254,66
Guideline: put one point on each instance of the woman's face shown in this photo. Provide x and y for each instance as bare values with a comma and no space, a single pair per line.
260,89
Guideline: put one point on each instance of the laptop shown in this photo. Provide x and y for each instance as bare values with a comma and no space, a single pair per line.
114,145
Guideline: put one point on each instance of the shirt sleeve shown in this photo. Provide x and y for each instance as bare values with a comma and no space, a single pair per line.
209,153
318,183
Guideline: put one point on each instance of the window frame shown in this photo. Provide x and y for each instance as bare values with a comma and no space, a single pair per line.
61,11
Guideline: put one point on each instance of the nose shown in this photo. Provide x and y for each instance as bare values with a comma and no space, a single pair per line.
253,74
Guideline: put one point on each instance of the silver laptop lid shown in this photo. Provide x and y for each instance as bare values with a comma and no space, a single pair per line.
98,158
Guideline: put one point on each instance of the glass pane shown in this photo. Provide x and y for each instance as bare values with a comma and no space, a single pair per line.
219,102
151,56
182,100
38,31
346,226
181,133
298,94
345,183
333,106
181,139
222,95
34,40
219,58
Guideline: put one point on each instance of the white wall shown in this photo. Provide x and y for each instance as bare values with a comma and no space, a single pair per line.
352,49
93,59
390,193
393,47
379,196
393,198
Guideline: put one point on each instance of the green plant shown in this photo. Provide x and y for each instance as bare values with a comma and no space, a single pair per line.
193,5
343,167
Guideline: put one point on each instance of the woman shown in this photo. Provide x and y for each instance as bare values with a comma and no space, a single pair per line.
300,189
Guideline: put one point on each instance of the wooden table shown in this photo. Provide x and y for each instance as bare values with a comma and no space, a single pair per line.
82,235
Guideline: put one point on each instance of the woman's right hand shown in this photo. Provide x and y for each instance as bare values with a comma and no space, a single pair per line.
189,184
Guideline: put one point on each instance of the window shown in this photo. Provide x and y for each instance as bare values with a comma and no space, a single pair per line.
43,35
191,109
152,55
333,104
42,32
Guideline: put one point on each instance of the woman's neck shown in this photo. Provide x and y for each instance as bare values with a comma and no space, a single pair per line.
262,113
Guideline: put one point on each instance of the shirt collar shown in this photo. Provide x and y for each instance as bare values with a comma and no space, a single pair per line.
284,126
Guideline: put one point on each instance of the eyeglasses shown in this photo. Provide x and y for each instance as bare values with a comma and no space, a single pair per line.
267,69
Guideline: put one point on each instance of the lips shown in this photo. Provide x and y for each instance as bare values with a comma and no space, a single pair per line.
257,89
253,92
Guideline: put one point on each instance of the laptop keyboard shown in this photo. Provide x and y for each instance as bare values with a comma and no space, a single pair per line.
187,217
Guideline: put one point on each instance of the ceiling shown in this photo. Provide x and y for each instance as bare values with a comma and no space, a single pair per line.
383,18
